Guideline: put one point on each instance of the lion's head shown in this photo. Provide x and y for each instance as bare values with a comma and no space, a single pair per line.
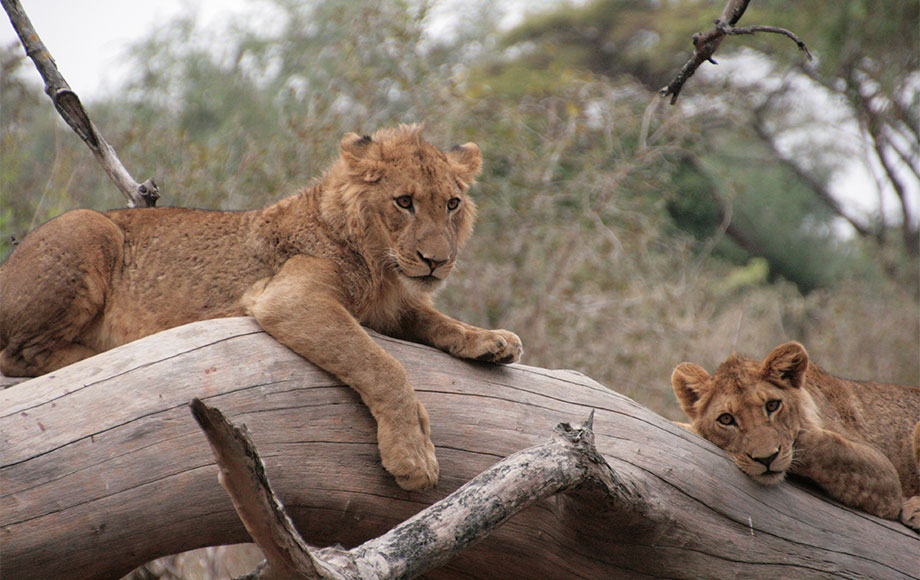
753,410
404,202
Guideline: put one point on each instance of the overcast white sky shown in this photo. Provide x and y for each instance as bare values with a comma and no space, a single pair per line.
87,38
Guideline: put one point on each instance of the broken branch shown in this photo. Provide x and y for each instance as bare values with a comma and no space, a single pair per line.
569,461
242,474
71,109
424,541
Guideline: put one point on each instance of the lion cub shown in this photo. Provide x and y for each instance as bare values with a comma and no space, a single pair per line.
367,245
859,441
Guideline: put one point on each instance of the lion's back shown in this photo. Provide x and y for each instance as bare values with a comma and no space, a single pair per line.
884,415
180,265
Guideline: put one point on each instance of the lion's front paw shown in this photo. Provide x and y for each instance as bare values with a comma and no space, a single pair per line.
910,513
407,452
496,346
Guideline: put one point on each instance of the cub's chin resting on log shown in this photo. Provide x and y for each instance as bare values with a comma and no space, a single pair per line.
367,245
859,441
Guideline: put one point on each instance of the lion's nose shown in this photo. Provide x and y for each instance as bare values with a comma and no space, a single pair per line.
767,460
433,263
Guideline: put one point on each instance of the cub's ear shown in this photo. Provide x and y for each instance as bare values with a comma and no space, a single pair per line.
362,156
690,382
466,162
786,365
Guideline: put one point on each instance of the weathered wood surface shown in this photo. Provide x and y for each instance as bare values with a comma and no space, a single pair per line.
102,467
569,463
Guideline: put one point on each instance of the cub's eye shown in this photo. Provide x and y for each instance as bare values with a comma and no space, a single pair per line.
404,201
773,405
453,203
726,419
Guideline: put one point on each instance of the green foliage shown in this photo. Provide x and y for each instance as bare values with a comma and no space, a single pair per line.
772,215
844,33
644,39
754,273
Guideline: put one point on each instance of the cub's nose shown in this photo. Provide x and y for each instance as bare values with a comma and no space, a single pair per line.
766,461
433,263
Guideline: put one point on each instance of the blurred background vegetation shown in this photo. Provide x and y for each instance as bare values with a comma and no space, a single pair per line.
618,235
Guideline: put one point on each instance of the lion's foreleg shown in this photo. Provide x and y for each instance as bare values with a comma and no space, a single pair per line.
302,309
851,472
424,324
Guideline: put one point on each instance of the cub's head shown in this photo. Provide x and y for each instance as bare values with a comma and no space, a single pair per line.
753,410
404,202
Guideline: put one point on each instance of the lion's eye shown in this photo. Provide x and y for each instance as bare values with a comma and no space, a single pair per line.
773,405
453,203
404,201
726,419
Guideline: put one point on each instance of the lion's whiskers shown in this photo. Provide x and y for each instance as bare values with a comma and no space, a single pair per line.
389,260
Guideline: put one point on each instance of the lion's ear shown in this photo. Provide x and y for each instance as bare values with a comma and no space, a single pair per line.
786,365
690,382
466,161
362,156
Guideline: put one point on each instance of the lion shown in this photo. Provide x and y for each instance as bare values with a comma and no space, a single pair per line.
858,441
366,245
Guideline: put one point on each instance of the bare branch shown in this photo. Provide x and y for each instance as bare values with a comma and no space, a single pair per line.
730,31
733,11
873,121
569,461
910,159
908,228
706,43
71,109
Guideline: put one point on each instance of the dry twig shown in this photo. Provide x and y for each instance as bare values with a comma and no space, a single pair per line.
706,43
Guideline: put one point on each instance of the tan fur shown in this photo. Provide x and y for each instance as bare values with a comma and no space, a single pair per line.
859,441
311,269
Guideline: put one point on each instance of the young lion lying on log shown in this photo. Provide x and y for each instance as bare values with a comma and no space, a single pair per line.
859,441
367,245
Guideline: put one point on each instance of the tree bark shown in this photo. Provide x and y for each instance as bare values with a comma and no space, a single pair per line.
102,468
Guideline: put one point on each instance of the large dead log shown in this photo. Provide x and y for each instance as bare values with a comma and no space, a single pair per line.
102,468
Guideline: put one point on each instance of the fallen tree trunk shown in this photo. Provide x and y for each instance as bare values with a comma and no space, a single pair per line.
102,468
